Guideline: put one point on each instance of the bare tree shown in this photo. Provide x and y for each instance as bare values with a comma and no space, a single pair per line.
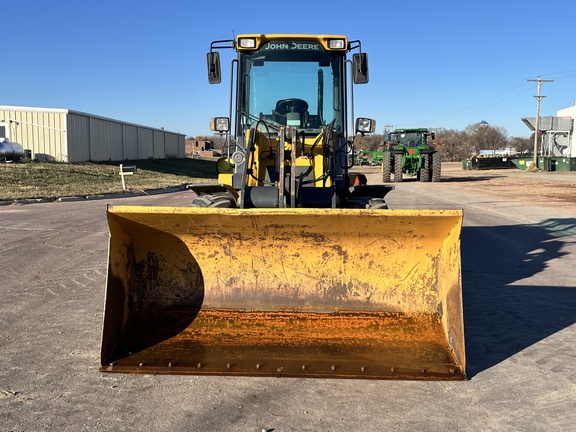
219,142
454,145
369,142
485,137
522,145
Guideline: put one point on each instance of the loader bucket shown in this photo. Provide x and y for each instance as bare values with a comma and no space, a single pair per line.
284,292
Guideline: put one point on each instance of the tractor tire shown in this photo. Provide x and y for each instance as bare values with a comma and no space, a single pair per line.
377,204
219,201
366,203
436,166
397,168
386,167
424,174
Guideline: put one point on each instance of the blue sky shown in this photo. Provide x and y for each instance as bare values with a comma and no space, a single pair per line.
432,63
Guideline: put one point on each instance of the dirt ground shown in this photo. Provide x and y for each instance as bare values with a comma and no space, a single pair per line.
548,189
518,270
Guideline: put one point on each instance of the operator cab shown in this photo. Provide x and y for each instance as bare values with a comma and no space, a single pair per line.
284,85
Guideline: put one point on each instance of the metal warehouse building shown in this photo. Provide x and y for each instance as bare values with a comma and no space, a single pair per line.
70,136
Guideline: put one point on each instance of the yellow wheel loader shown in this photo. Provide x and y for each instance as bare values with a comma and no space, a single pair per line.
289,265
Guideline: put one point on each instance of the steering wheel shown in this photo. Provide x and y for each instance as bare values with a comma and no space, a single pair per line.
285,106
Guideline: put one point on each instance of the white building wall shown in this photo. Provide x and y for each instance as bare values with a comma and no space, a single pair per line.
43,131
71,136
130,142
145,143
106,140
173,146
159,147
79,136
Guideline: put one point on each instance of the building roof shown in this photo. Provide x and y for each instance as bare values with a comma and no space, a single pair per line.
69,111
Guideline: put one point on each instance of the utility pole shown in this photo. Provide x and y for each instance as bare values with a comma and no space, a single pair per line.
538,97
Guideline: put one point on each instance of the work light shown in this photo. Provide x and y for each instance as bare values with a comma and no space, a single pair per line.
365,125
337,44
247,43
220,124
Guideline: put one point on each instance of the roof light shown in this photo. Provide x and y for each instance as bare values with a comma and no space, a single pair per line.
247,43
337,44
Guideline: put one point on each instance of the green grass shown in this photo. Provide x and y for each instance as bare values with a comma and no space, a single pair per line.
53,180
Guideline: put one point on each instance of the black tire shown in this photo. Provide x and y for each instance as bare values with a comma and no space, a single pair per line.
386,167
366,203
377,204
397,168
436,167
219,201
424,174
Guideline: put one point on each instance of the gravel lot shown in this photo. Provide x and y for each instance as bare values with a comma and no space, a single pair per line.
519,273
550,189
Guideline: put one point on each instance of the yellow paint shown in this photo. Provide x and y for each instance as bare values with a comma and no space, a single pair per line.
264,158
261,39
225,179
298,260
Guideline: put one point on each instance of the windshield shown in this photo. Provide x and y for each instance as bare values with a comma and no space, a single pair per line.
292,83
410,139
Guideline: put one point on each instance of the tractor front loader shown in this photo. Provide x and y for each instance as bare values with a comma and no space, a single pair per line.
289,265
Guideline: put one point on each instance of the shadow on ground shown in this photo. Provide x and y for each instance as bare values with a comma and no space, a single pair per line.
201,168
470,179
502,316
447,179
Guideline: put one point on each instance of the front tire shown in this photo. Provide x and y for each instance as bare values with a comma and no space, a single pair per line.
436,167
386,167
397,168
377,204
425,170
213,201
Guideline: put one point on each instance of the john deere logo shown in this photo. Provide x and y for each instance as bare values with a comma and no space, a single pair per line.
292,46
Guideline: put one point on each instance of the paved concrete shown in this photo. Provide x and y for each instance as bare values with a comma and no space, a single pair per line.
519,273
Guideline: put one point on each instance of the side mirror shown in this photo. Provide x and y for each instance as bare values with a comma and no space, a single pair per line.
213,60
360,66
433,135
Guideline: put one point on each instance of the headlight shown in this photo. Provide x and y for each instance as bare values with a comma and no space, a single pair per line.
337,44
365,125
247,43
220,124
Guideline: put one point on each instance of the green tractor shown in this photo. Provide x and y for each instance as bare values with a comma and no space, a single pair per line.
407,151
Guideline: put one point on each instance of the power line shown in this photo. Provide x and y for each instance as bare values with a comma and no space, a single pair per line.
560,73
469,109
495,98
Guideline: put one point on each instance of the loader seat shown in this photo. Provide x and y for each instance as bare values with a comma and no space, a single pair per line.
294,111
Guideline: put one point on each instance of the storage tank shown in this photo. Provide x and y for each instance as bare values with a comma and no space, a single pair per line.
9,151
